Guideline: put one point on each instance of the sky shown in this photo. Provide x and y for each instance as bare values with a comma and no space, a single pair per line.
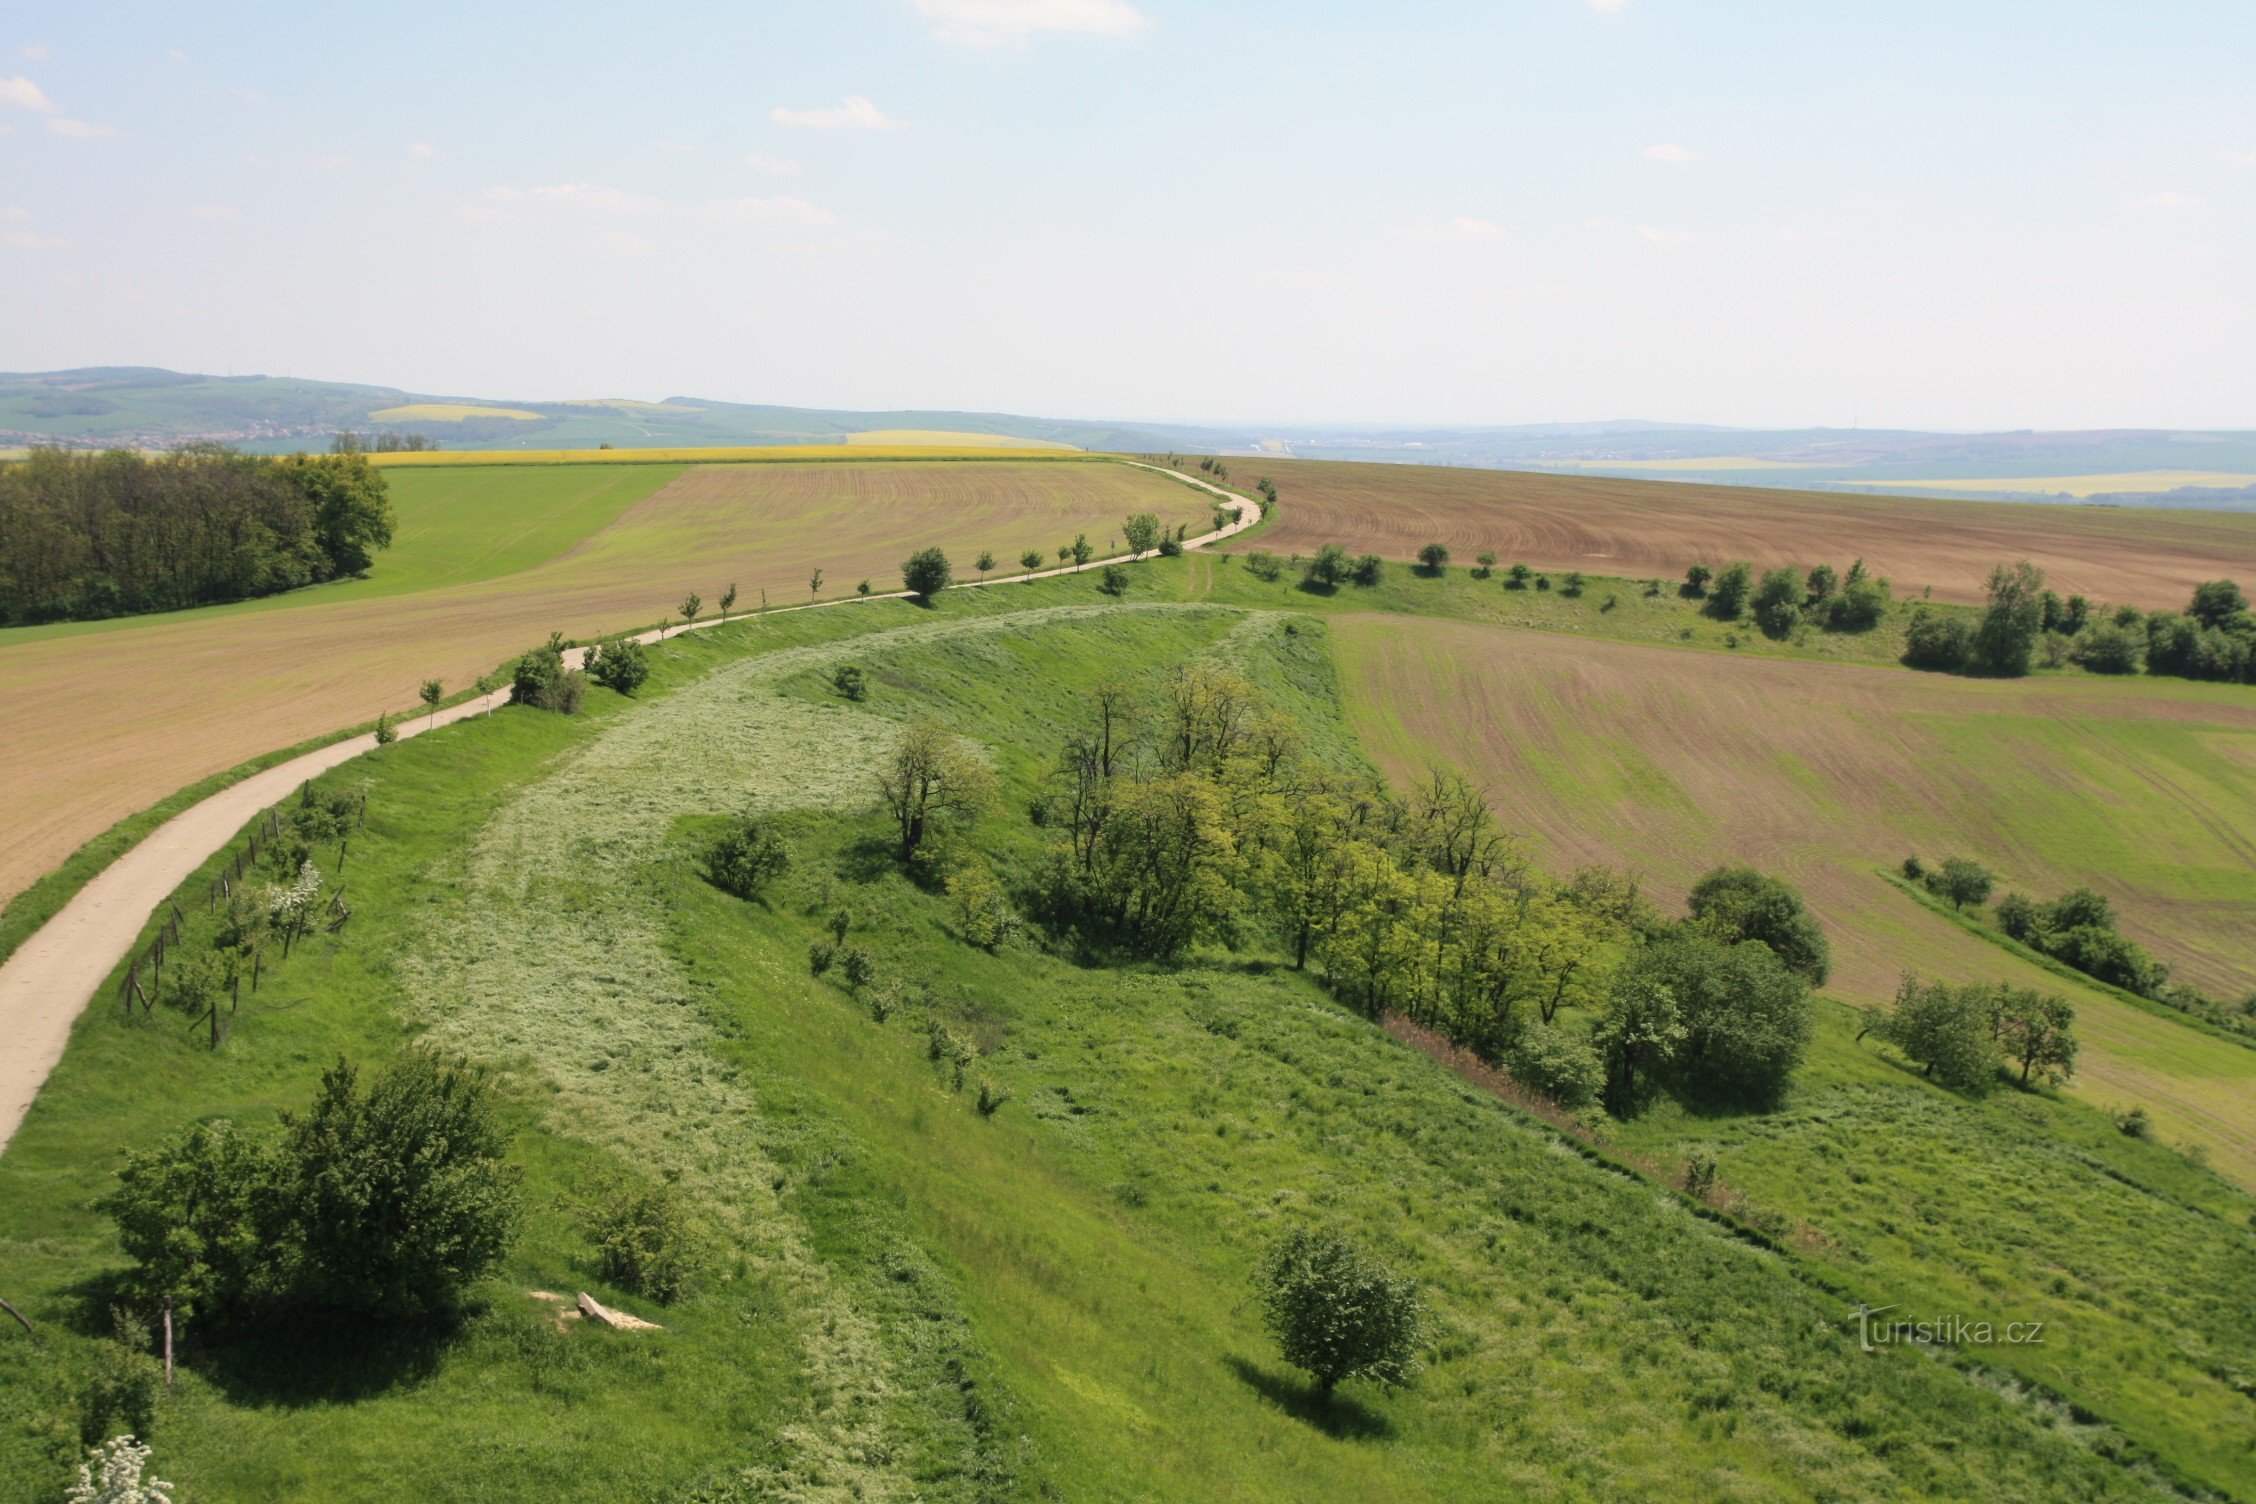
1917,213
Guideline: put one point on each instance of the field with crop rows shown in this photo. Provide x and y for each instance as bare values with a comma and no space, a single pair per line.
1671,762
1637,528
106,718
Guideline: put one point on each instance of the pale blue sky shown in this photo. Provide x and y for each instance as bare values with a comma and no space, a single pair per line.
2023,213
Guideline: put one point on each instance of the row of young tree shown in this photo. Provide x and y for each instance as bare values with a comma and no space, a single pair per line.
86,535
2080,930
2022,623
1785,598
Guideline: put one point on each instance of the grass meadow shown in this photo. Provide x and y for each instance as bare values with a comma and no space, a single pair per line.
108,718
916,1300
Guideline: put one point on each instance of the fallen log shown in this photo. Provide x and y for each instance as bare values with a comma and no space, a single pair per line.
618,1321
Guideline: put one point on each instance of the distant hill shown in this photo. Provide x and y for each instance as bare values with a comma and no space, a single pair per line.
145,406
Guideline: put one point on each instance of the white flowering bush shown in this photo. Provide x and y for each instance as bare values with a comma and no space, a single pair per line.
112,1474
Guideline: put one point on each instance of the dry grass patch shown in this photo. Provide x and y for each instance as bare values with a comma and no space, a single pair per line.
1640,528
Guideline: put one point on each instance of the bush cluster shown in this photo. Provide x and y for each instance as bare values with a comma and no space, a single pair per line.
387,1199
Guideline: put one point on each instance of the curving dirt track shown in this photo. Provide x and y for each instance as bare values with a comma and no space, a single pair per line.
54,973
105,722
2147,557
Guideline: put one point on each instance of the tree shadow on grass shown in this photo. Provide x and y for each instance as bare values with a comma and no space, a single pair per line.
1339,1416
310,1359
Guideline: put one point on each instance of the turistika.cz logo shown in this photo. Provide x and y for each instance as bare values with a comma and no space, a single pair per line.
1875,1331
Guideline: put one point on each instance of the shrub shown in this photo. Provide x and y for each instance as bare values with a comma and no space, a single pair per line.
1636,1039
991,1097
115,1472
2037,1033
1264,565
1369,570
646,1240
1113,580
119,1388
1328,570
541,680
1745,1017
1914,868
397,1197
1860,604
2007,635
1484,565
1141,531
1559,1063
1696,582
1937,640
925,573
1517,577
820,955
1170,547
746,857
1962,881
1702,1172
2135,1124
855,965
1339,1314
1728,594
850,682
1434,558
385,735
619,663
1543,582
2020,918
1951,1031
2109,649
983,911
389,1201
2102,953
1574,585
1778,602
2080,906
1739,903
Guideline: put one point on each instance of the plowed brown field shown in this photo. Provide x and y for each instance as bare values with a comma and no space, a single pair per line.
1672,761
2147,557
102,722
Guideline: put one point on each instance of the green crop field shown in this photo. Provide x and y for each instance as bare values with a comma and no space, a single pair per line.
916,1299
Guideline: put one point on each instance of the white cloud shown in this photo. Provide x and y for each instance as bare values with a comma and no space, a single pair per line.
31,240
424,151
84,130
855,114
766,211
13,215
1653,235
1669,151
36,51
679,148
1000,23
783,167
212,213
21,93
2167,199
1609,7
2241,158
579,198
329,162
176,54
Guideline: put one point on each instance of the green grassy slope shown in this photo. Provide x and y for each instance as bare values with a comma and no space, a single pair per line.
921,1301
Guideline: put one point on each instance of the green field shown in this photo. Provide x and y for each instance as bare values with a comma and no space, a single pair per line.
917,1300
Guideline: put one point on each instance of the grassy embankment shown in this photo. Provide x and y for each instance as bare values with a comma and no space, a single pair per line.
1048,1302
